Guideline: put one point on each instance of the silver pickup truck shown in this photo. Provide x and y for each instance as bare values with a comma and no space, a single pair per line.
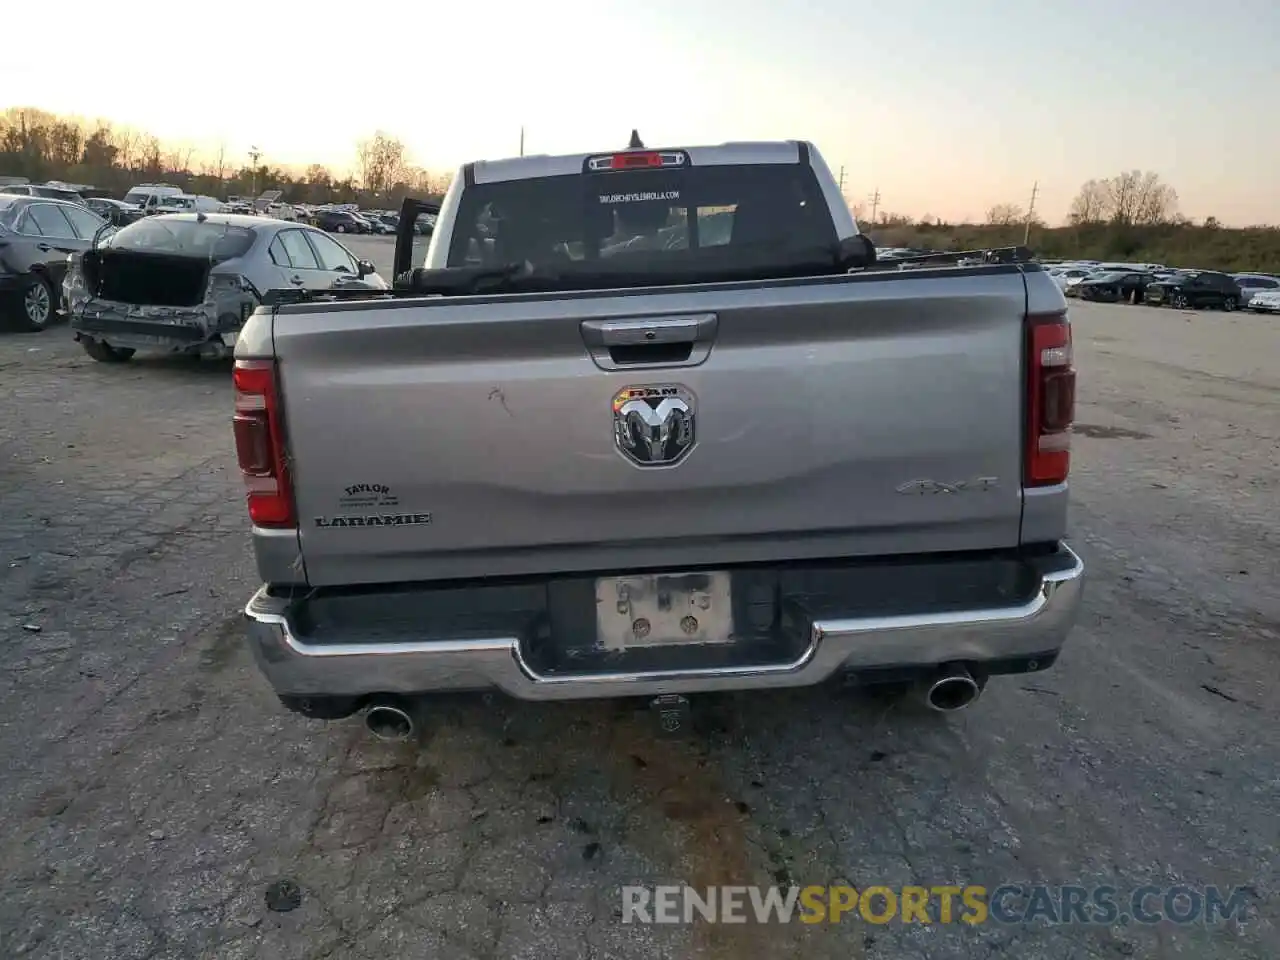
652,423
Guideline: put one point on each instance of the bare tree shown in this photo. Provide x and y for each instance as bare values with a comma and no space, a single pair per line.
365,161
1091,204
1122,197
887,219
439,184
1131,198
219,166
148,157
126,145
417,180
1005,215
178,159
65,143
99,150
1156,202
382,160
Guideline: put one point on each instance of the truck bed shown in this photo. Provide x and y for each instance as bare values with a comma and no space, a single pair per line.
843,416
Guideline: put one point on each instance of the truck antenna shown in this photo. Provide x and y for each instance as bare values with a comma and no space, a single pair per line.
636,143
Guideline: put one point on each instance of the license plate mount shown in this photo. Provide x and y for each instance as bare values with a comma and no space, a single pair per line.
662,610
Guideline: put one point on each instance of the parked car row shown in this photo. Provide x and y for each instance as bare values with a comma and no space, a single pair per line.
145,199
177,282
150,199
1157,285
347,220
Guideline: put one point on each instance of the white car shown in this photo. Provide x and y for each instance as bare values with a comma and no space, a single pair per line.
1268,301
1068,278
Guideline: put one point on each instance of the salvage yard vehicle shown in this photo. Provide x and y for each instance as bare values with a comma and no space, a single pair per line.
1251,284
341,221
147,196
45,190
188,203
556,464
1194,289
1068,277
118,212
186,282
1113,286
1265,301
37,235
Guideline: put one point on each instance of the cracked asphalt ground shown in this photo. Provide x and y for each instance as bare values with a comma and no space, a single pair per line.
154,790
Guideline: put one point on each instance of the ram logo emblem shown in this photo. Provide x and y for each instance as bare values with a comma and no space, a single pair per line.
653,426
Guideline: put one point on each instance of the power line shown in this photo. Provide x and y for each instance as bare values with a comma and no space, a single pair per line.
1031,212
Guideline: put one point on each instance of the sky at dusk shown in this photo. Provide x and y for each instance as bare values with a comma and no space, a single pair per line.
946,109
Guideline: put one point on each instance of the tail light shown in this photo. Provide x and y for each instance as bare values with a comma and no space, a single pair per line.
1051,399
259,430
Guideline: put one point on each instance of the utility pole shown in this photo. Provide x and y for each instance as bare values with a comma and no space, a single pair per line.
254,154
1031,210
522,141
875,204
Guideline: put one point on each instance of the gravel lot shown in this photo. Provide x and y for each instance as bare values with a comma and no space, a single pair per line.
154,790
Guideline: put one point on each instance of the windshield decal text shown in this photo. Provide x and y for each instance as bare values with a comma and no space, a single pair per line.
612,198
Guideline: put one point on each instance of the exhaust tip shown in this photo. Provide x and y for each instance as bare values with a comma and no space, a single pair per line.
951,692
387,722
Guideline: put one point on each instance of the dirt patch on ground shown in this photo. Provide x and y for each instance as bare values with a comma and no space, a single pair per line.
1098,432
681,815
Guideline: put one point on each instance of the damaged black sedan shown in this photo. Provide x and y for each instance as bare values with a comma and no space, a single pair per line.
1117,286
187,282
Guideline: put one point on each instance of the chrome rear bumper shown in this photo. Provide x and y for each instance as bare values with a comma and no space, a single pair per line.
358,666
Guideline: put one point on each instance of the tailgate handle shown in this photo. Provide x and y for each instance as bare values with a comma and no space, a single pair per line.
680,341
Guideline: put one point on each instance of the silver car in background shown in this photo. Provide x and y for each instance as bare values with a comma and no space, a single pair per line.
1265,301
1068,277
187,282
1252,284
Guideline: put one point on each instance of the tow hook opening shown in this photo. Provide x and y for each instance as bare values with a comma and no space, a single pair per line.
671,713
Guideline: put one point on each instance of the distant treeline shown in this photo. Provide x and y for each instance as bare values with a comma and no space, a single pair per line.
42,146
1131,216
1211,247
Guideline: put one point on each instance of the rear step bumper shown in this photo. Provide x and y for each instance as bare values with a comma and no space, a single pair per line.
350,661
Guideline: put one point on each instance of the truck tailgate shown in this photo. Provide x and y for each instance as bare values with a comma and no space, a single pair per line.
833,417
